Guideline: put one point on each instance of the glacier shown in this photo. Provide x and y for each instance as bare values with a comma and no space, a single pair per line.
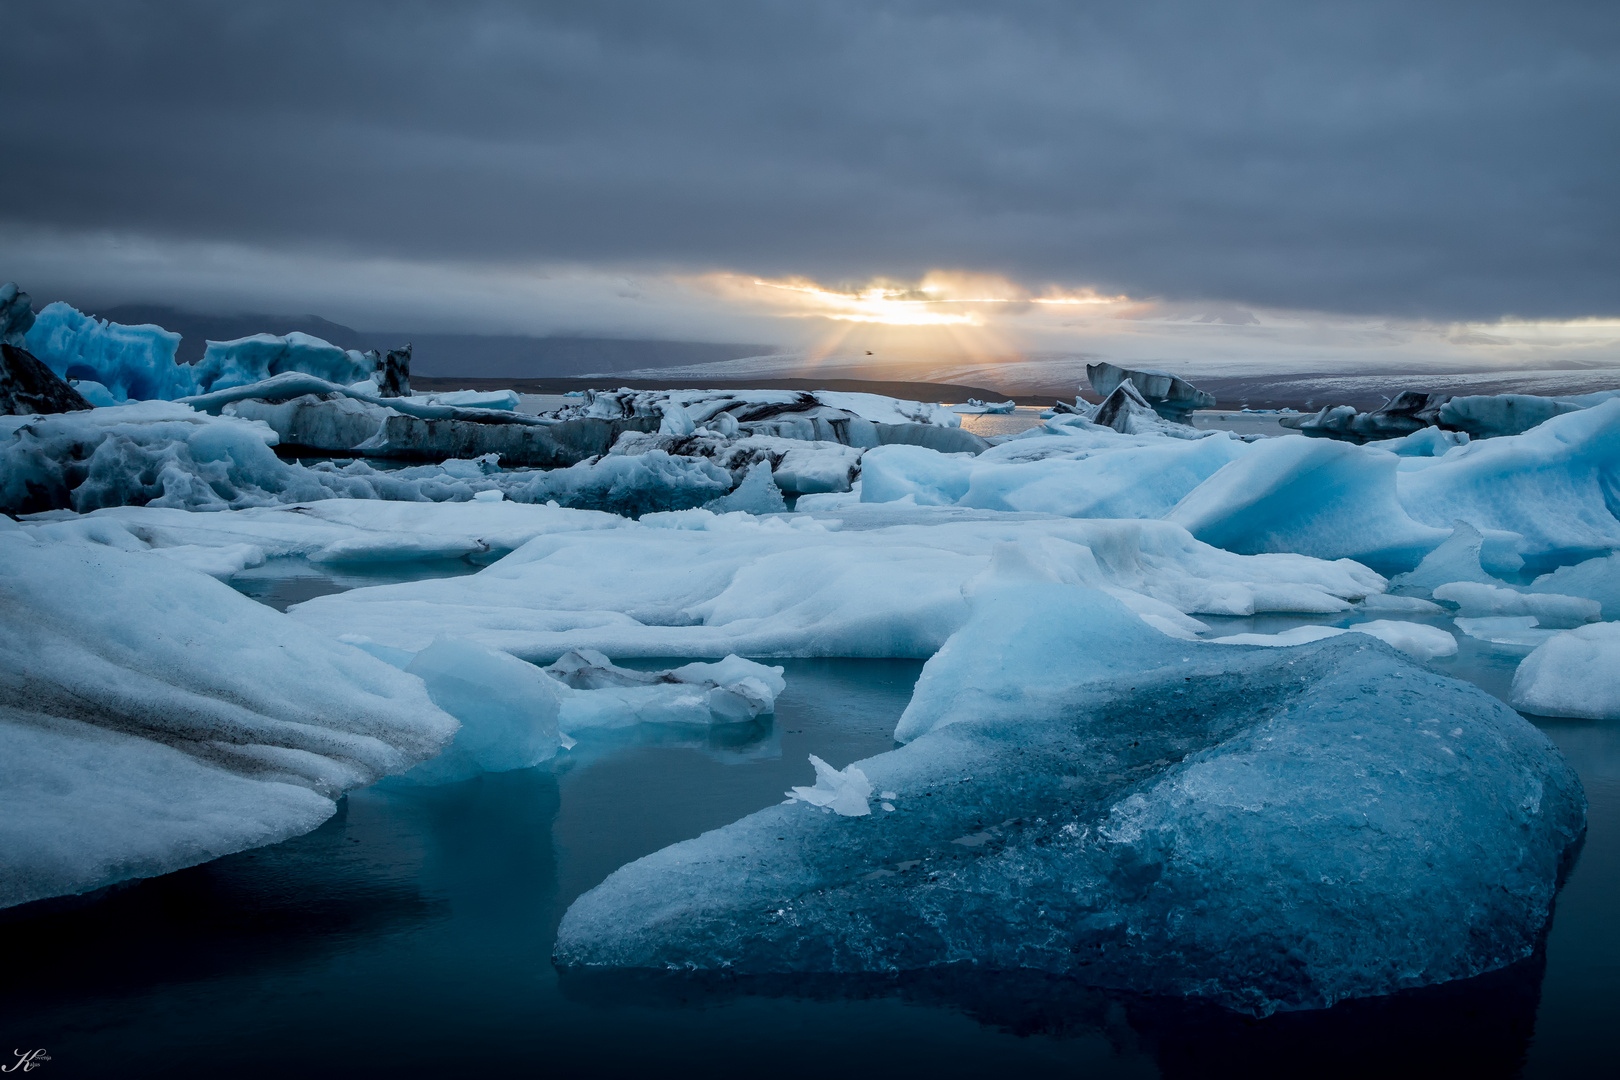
1080,794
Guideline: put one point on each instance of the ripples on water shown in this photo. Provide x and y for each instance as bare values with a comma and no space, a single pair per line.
411,935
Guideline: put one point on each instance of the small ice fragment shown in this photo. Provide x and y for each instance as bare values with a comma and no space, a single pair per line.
844,791
888,795
889,806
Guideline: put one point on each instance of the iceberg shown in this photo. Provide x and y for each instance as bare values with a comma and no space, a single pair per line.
697,584
1081,795
1328,499
1169,396
1476,601
1575,673
229,364
1460,557
1553,485
508,711
757,494
132,362
152,718
1596,579
602,695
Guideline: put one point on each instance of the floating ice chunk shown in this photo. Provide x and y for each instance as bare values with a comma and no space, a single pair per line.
508,711
1486,415
757,494
1576,673
1596,579
131,362
1520,630
845,792
152,718
731,691
1251,827
504,400
1417,640
1475,601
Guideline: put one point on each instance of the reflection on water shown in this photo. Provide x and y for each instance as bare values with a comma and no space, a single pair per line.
411,935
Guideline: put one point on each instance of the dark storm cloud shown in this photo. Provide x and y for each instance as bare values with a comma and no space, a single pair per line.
1428,159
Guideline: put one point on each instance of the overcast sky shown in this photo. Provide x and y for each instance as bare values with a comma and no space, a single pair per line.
1412,160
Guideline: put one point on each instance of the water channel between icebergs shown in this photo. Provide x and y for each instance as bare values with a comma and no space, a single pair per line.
412,933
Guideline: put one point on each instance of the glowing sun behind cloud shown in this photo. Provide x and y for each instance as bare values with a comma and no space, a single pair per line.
971,316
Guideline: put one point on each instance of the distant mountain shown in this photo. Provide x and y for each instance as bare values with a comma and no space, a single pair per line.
506,356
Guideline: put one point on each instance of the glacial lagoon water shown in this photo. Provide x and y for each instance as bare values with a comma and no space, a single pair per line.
411,935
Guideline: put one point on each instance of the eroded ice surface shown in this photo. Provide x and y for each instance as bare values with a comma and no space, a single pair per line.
1262,828
153,718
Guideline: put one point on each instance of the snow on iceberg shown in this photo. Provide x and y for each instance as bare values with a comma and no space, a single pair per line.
1575,673
152,718
132,362
1251,827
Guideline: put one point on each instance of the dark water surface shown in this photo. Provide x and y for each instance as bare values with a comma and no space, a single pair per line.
411,936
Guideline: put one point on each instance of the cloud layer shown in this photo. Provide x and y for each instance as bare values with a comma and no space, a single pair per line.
1437,161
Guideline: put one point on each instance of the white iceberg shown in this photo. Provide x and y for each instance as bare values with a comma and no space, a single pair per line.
1575,673
152,718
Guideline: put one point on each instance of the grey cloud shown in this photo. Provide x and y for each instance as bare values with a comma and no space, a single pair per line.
1434,160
